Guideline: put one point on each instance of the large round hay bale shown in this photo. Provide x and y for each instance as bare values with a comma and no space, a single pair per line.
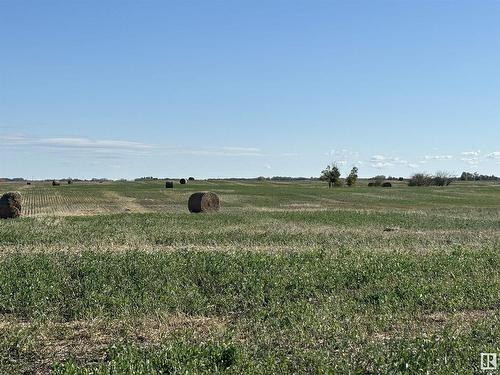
55,183
386,184
10,205
203,202
169,185
182,181
70,182
191,179
371,184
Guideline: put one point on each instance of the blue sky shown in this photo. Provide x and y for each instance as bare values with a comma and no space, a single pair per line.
247,88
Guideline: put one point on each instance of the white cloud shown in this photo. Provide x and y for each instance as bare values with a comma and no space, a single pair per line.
471,161
216,151
342,157
471,157
381,165
75,143
377,158
240,149
382,161
438,157
494,155
471,153
399,161
116,147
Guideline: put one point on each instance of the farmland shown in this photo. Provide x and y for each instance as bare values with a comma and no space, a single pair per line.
288,277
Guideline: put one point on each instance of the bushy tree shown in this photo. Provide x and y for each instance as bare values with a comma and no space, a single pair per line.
331,174
442,179
420,179
423,179
353,177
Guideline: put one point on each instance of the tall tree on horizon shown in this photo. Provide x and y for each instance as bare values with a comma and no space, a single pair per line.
331,174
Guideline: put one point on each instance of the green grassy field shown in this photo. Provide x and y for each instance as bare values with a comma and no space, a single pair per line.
118,278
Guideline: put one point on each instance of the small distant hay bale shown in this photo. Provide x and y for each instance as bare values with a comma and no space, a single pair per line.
387,185
10,205
371,184
55,183
28,183
182,181
191,179
70,182
169,185
203,202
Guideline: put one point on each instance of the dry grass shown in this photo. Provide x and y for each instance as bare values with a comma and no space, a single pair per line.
86,341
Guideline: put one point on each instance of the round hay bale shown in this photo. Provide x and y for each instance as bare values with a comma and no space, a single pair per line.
182,181
55,183
203,202
191,179
10,205
70,182
28,183
371,184
169,185
387,185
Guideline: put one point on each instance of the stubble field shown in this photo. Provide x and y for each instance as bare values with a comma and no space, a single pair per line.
292,277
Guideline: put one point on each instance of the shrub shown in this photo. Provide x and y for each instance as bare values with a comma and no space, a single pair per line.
442,179
423,179
420,179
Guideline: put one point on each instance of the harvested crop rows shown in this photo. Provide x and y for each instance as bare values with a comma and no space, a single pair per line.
42,200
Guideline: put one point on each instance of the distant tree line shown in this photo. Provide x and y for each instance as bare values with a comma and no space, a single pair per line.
467,176
444,178
285,178
21,179
276,178
16,179
392,178
148,178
